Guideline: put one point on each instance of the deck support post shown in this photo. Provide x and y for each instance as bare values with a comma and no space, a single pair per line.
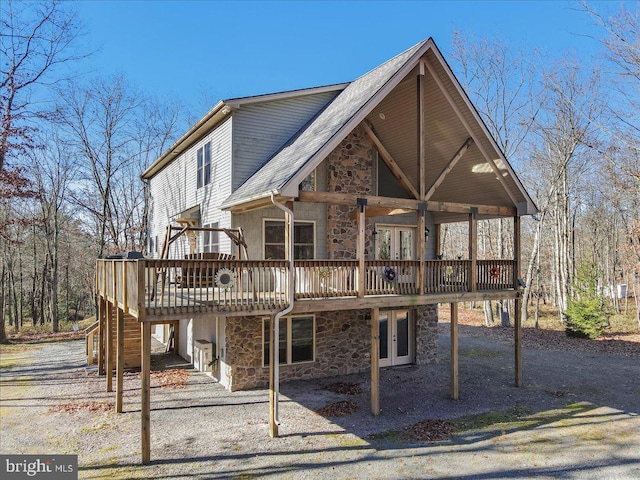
473,248
518,341
421,243
375,361
145,393
455,393
120,358
273,358
518,302
360,247
109,347
176,337
101,334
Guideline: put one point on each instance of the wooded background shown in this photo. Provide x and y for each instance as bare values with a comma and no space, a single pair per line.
73,147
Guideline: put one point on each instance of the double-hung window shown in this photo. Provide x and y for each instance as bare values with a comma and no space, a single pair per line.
296,343
204,165
303,240
211,240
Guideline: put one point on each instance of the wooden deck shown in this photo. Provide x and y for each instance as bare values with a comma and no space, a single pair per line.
170,289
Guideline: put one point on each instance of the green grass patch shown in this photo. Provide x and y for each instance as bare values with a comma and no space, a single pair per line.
477,353
497,421
513,418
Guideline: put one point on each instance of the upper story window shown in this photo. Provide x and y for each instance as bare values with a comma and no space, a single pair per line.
211,240
303,240
204,165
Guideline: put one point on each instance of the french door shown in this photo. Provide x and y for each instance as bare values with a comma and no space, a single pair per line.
396,243
396,337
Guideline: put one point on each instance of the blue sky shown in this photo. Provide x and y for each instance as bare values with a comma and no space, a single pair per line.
203,51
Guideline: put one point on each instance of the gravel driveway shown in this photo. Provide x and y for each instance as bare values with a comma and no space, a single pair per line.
581,419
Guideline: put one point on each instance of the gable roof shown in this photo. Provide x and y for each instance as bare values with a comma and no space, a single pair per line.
283,172
316,139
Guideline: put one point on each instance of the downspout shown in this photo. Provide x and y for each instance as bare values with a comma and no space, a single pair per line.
278,315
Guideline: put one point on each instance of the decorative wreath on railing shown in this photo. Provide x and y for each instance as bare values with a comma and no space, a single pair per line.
449,270
324,273
225,278
494,273
389,274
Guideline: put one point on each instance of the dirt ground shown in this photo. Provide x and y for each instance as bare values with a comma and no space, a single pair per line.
577,416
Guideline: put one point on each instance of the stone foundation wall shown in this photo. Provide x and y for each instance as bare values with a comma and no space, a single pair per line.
426,334
343,346
349,170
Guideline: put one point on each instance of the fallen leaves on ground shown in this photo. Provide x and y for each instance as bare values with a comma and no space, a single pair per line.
338,409
471,323
173,378
430,430
40,337
95,407
345,388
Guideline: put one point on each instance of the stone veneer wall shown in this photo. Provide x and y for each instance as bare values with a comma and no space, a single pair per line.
343,346
426,334
350,170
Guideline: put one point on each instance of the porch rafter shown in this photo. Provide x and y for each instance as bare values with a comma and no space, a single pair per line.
466,125
388,159
445,171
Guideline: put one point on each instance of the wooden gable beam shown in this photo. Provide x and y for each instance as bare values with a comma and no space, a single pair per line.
452,163
381,212
391,163
349,199
466,125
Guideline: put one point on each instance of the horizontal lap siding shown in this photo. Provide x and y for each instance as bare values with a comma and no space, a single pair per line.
211,196
261,129
174,190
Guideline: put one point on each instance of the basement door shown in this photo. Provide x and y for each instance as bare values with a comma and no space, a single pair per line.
396,337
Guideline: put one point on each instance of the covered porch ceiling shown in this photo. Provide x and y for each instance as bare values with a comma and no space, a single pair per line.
457,150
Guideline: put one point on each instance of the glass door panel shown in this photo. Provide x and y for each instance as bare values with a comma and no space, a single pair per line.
385,338
396,337
401,351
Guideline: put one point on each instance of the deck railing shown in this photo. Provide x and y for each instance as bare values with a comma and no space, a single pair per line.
169,286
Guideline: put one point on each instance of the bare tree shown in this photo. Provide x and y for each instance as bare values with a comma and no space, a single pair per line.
35,38
116,131
54,170
502,85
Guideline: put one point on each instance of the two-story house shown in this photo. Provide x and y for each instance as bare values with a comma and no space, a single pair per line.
307,223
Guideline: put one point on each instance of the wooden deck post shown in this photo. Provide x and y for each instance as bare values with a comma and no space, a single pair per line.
473,248
273,351
455,393
176,337
518,302
360,246
120,358
375,361
422,246
109,347
518,341
101,333
145,391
